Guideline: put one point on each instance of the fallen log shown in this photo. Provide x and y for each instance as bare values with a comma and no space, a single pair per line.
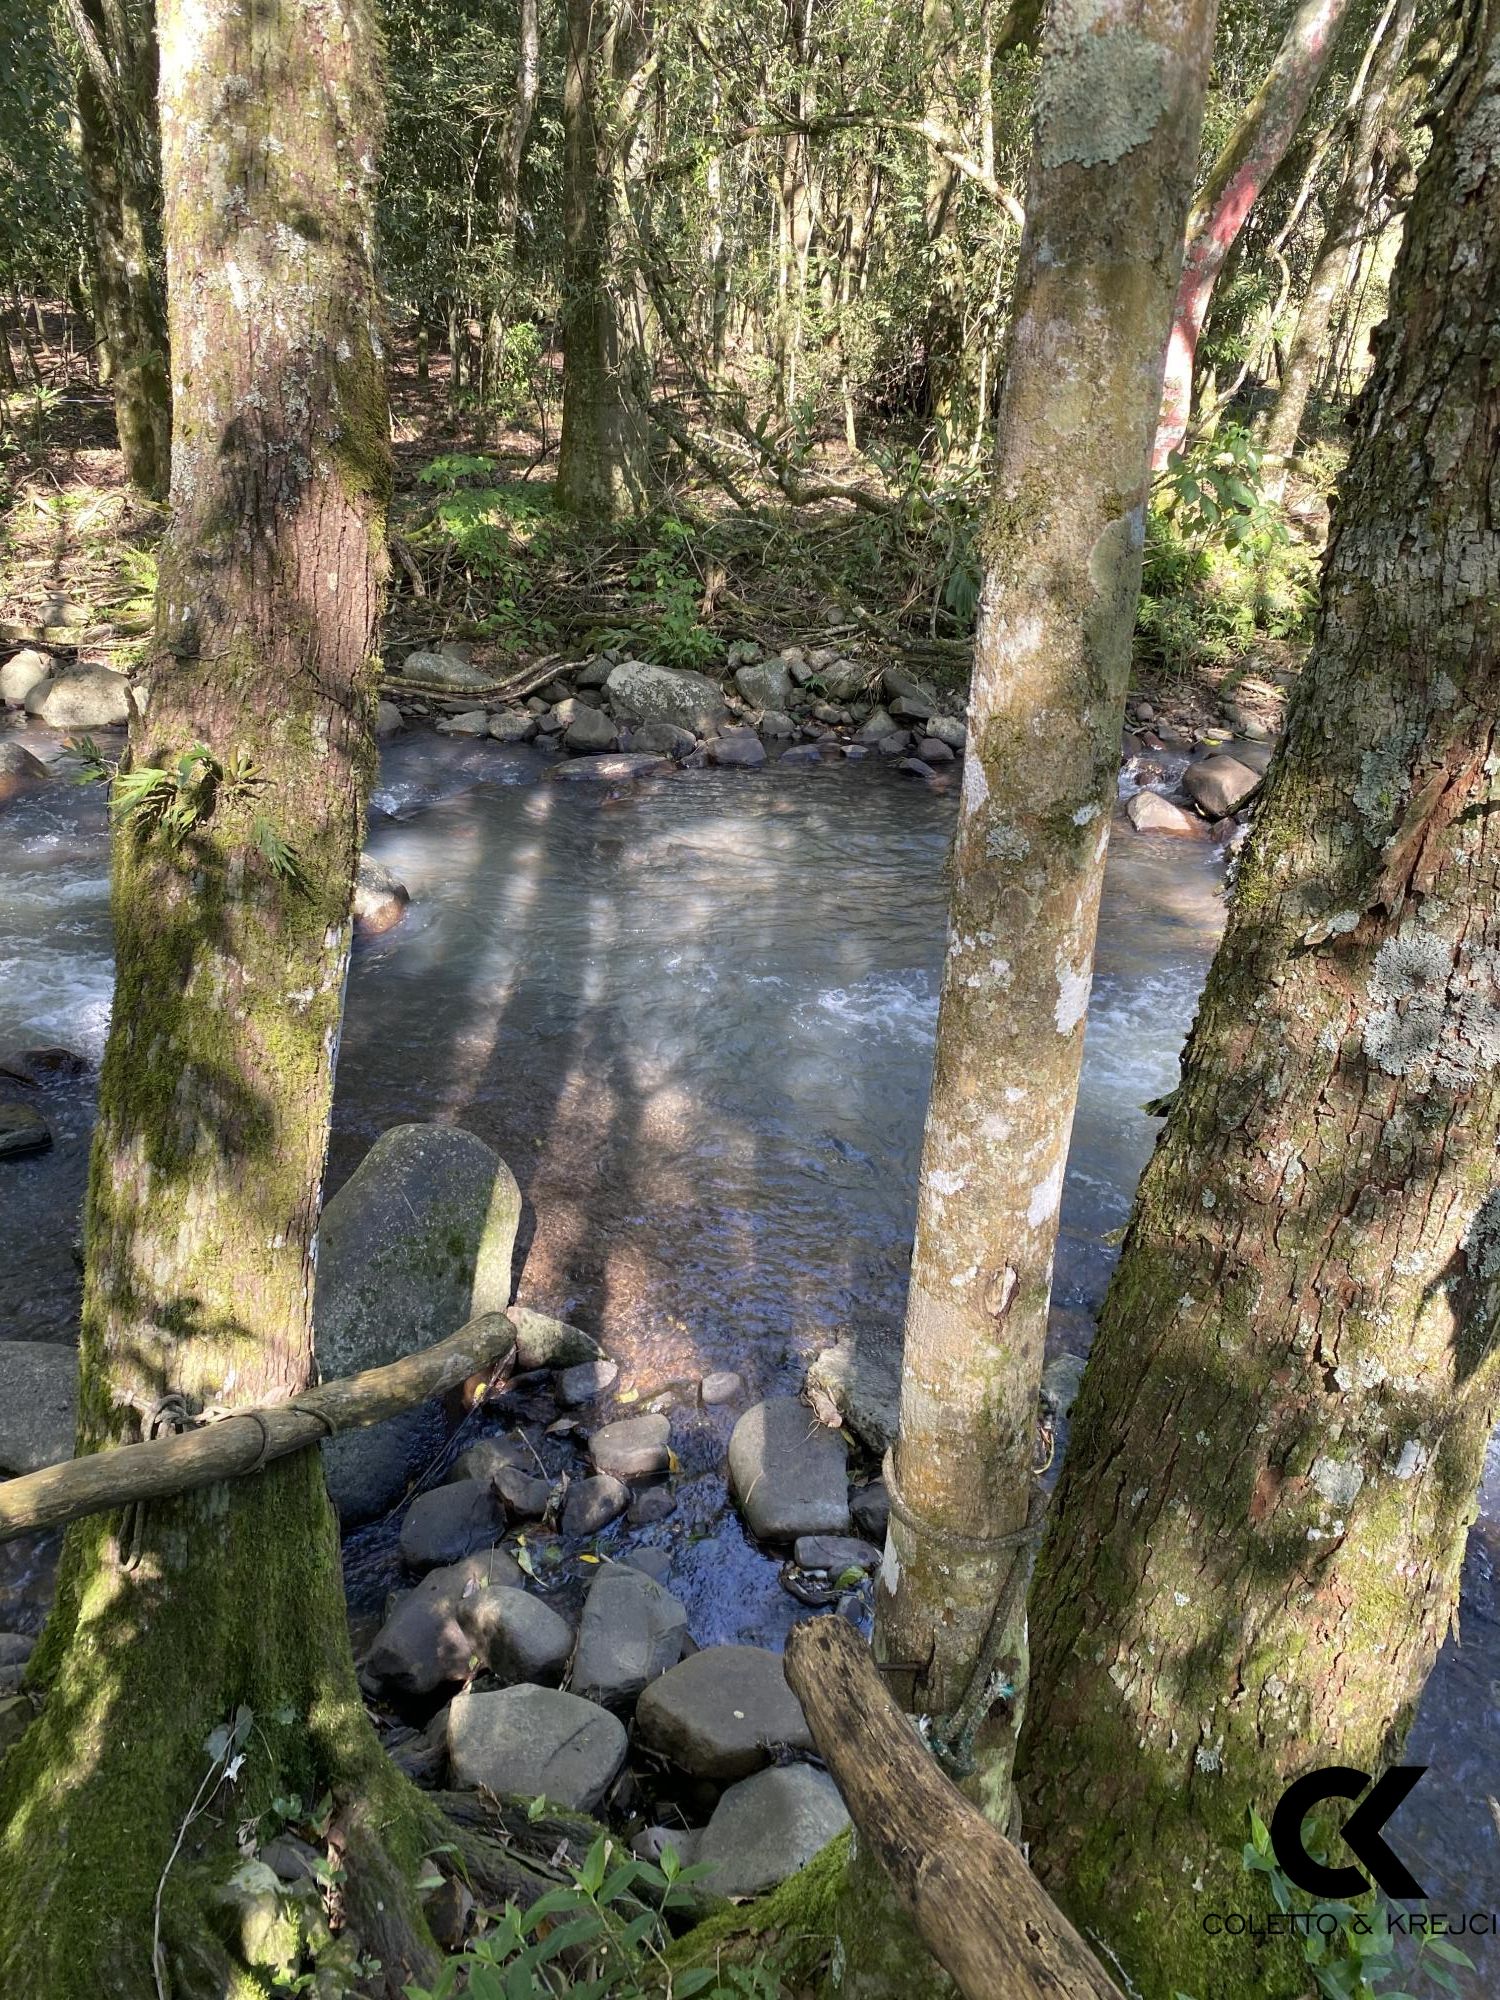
977,1906
241,1441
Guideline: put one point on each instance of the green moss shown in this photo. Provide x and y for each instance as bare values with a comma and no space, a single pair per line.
792,1929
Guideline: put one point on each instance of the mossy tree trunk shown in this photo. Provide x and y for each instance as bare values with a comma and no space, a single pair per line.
1119,105
232,949
1254,1552
118,146
1349,217
603,455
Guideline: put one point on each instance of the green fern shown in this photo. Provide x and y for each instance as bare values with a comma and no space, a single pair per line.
283,860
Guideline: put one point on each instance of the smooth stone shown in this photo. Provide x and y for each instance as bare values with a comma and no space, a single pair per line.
744,753
655,1563
67,612
488,1457
631,1632
915,768
633,1448
512,725
518,1636
81,698
389,720
870,1511
908,708
765,684
933,750
948,729
842,679
448,1523
535,1742
21,673
592,1504
416,1243
525,1494
656,1503
1149,812
641,692
1254,756
19,771
862,1378
586,1382
899,686
895,745
1245,722
875,727
445,671
23,1131
835,1553
664,739
789,1473
589,731
473,722
38,1404
721,1386
613,767
723,1713
775,726
802,753
1219,785
767,1827
425,1642
545,1342
290,1859
379,899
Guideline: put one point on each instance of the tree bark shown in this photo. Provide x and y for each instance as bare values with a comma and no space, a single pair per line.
1119,106
1348,216
1247,160
1254,1551
118,146
232,930
603,463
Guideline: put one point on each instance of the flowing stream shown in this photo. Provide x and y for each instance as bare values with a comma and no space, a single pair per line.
696,1017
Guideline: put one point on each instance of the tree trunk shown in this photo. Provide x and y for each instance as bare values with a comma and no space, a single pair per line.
1247,160
1119,106
603,465
118,146
232,928
1347,218
1254,1552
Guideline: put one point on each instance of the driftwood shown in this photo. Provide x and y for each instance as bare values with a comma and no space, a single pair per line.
979,1909
230,1446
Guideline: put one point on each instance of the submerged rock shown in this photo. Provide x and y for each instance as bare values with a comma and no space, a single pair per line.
767,1827
586,1382
633,1448
723,1713
721,1386
22,1131
631,1632
616,767
417,1242
789,1472
536,1742
38,1404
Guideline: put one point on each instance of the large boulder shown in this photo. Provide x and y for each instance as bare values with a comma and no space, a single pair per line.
38,1404
535,1742
81,698
444,671
789,1472
438,1632
766,684
1219,785
723,1713
639,692
418,1241
767,1827
631,1632
21,673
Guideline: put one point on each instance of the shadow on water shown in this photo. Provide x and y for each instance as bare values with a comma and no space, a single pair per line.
695,1015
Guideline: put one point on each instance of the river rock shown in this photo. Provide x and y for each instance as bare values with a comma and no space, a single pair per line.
593,673
66,612
1254,756
379,899
23,1131
841,679
741,751
899,686
723,1713
592,1504
473,722
631,1632
81,698
589,730
948,729
775,727
536,1742
789,1472
21,673
1245,722
653,1504
445,671
425,1641
38,1404
722,1385
518,1637
640,692
767,1827
512,725
933,750
835,1553
448,1523
587,1382
417,1242
488,1457
1061,1380
614,767
876,726
633,1448
1149,812
870,1511
388,720
907,708
663,739
544,1342
653,1562
862,1378
41,1066
1219,785
526,1495
765,683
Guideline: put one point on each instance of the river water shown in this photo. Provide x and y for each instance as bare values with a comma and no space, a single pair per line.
696,1016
